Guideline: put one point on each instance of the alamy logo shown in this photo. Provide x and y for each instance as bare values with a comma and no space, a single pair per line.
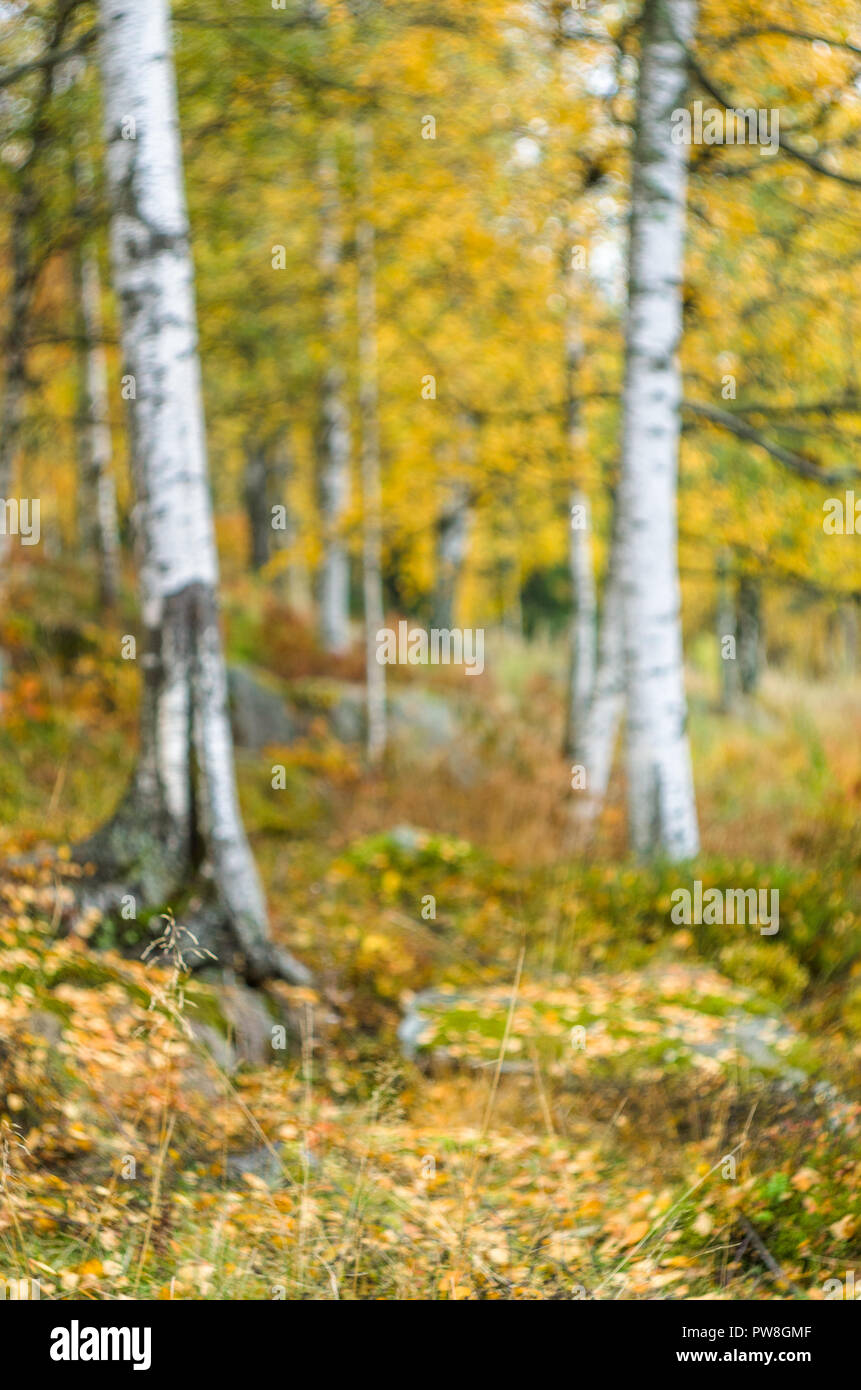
842,1289
842,517
441,646
732,905
20,1289
732,126
78,1343
20,519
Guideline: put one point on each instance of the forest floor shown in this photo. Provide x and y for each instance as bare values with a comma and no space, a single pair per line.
515,1078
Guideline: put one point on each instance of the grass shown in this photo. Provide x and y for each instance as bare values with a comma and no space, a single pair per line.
140,1158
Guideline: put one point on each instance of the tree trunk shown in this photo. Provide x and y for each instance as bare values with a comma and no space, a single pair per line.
662,808
727,638
595,740
452,542
292,578
15,346
100,488
454,522
581,677
749,628
180,821
849,635
333,430
372,568
255,489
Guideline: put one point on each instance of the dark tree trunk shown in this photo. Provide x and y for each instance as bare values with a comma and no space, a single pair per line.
256,488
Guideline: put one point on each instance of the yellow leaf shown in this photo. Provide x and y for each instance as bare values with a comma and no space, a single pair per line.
635,1232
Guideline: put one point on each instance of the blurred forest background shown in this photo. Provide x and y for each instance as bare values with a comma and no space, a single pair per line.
491,1065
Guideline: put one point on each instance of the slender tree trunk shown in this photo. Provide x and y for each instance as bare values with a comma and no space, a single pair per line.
595,741
662,810
255,490
453,524
372,568
100,489
333,430
727,638
849,634
749,628
452,542
581,680
26,265
180,821
15,346
293,579
584,619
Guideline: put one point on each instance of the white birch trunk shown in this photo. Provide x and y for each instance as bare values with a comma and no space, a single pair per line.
187,806
333,435
101,490
595,741
662,808
584,619
372,568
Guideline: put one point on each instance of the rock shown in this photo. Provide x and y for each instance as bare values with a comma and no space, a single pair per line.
251,1021
217,1045
259,712
416,717
265,712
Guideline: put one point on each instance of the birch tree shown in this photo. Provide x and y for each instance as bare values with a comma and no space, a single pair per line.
596,734
333,430
662,810
180,821
372,564
581,679
100,488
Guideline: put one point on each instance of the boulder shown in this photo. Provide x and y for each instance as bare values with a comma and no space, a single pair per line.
265,712
259,713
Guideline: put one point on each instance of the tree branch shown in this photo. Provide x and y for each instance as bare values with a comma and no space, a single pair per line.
796,463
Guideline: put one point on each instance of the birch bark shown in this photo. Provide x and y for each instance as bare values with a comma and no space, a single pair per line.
662,810
333,431
595,739
101,490
372,569
180,819
584,618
